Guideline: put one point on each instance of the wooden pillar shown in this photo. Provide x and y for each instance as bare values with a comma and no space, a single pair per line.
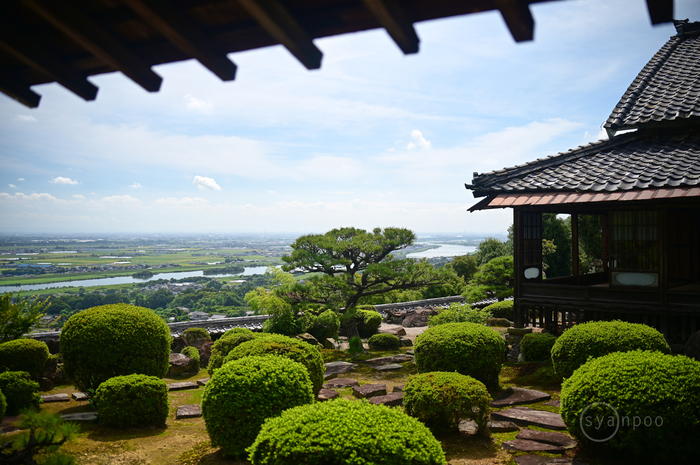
519,319
574,244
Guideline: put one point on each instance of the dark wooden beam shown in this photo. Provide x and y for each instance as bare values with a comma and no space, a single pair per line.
18,91
516,14
69,20
41,58
393,18
660,11
280,24
182,32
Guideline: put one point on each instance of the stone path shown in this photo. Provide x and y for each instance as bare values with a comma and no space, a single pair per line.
369,390
529,440
526,416
469,426
333,369
82,416
55,398
340,383
182,386
540,460
400,358
188,411
80,396
518,396
389,367
327,394
394,399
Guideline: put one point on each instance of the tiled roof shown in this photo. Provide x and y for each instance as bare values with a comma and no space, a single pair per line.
640,160
668,88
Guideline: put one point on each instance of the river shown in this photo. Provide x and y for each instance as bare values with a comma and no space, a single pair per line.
444,250
128,279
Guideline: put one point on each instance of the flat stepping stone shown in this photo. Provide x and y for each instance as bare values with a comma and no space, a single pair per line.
526,416
327,394
182,386
333,369
553,403
548,437
203,382
369,390
400,358
469,426
517,396
409,352
525,445
80,396
540,460
340,383
394,399
188,411
82,416
389,367
55,398
398,388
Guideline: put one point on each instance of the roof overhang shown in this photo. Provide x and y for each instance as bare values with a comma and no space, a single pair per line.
561,198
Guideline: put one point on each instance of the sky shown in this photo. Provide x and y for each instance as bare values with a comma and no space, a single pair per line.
374,138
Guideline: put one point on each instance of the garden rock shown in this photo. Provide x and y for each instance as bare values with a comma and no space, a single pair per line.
182,386
517,396
394,399
470,427
369,390
405,341
177,345
519,331
82,416
398,388
514,352
540,460
388,367
340,383
330,343
400,358
523,445
548,437
553,403
400,331
327,394
188,411
308,338
203,382
418,318
179,364
205,353
80,396
55,398
333,369
527,416
45,384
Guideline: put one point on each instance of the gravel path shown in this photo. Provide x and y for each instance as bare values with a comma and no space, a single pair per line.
411,333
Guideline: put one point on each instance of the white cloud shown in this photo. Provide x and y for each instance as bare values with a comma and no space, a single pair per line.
121,199
194,103
78,196
20,179
31,197
183,202
25,118
12,186
418,141
272,192
204,183
136,185
62,180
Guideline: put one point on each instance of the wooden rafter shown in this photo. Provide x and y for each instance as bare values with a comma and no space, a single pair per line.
660,11
393,18
184,34
280,24
18,91
69,20
516,14
25,48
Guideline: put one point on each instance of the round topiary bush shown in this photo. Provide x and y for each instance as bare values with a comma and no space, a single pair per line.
537,347
440,400
196,336
112,340
284,346
468,348
643,405
598,338
132,400
503,309
3,405
368,322
347,432
324,325
384,342
20,391
27,355
243,393
459,313
193,354
226,343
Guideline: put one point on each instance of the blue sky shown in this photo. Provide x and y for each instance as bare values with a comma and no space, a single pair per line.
373,138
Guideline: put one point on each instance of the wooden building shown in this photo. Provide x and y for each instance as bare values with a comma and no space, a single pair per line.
635,196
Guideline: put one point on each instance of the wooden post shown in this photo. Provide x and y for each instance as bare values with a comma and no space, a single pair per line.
574,245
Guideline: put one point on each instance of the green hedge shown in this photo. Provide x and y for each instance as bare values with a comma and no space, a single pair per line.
384,342
656,398
440,400
460,313
27,355
324,325
132,400
284,346
193,354
226,343
112,340
537,347
3,405
243,393
502,309
192,335
20,391
598,338
468,348
345,432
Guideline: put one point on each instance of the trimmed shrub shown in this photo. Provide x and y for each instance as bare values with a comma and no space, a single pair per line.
3,405
288,347
226,343
384,342
347,432
467,348
192,336
243,393
656,402
503,309
355,345
441,400
27,355
324,325
460,313
20,391
598,338
193,354
112,340
537,347
132,400
368,322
